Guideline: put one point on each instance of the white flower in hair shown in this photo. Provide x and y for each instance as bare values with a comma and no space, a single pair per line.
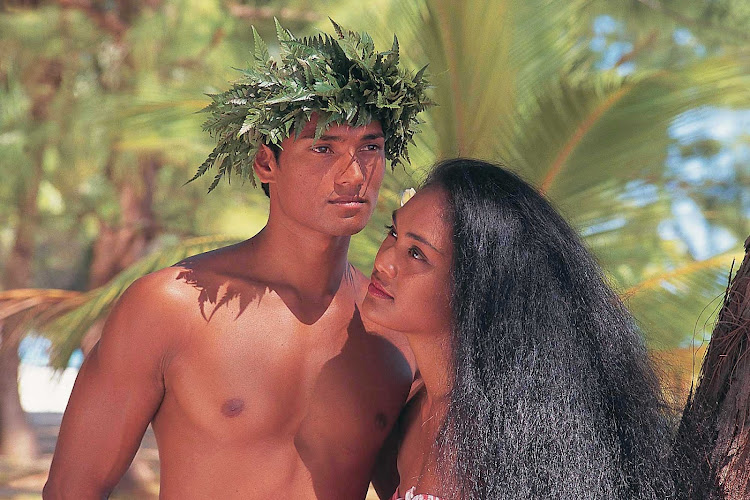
406,195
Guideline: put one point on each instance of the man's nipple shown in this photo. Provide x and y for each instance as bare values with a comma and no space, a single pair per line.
381,420
232,407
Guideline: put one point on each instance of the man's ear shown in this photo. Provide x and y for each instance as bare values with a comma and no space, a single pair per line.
265,165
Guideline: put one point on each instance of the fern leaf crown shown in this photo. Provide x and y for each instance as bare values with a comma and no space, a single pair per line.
342,79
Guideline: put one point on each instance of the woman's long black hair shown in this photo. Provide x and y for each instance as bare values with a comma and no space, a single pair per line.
553,392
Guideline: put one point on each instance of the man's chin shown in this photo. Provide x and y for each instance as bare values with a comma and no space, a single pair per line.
349,226
348,230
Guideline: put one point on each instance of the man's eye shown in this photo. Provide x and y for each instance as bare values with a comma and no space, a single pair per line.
372,147
321,149
390,230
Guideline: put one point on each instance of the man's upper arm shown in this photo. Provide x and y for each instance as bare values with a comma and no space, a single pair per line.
118,390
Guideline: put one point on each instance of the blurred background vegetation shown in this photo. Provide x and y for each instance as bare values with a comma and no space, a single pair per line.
633,116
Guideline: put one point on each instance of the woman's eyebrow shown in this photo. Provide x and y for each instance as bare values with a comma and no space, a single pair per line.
416,236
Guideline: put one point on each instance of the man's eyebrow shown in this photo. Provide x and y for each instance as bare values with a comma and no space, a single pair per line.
416,236
324,137
338,138
375,135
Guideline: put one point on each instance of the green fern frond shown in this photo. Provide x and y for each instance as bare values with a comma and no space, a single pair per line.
343,79
66,329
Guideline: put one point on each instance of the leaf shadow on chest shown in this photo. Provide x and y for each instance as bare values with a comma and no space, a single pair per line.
354,403
217,290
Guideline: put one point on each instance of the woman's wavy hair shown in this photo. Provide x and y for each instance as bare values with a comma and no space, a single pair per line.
553,392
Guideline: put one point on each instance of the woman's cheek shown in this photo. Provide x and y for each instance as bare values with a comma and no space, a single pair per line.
433,311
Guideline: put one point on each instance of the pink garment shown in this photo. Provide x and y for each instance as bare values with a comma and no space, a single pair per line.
411,496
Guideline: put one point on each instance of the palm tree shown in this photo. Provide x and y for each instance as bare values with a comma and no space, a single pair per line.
71,74
713,440
583,98
587,99
527,83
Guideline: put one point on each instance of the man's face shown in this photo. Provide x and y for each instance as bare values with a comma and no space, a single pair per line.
330,184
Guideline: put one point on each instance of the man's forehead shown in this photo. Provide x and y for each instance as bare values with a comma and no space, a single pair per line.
340,130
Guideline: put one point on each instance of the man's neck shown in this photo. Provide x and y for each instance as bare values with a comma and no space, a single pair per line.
310,262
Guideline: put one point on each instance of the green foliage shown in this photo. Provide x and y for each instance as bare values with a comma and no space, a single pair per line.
66,327
341,79
518,82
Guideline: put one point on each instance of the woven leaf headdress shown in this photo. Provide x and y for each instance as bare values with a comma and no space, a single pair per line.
341,79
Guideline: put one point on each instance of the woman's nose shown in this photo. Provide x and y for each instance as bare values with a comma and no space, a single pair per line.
384,261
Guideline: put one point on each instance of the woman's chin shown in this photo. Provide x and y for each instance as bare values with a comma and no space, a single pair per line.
373,314
367,309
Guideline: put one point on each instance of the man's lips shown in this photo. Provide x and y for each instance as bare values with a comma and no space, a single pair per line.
376,289
348,201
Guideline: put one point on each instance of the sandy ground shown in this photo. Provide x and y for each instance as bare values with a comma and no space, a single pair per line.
44,395
25,482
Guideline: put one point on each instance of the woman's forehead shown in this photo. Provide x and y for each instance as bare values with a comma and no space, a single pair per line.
429,202
427,214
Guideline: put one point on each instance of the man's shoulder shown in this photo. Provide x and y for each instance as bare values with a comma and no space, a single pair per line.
164,287
141,323
150,303
171,292
235,264
187,289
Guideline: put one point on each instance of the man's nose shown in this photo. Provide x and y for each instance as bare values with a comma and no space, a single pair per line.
353,173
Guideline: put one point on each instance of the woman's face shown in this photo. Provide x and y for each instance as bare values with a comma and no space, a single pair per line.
410,285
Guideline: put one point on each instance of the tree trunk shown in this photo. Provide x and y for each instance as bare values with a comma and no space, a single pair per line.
117,247
17,439
714,436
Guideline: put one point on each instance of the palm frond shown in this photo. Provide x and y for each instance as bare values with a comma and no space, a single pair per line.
723,260
579,134
67,328
607,127
679,306
727,21
17,301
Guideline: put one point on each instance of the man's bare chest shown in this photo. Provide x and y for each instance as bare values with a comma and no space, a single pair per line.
249,380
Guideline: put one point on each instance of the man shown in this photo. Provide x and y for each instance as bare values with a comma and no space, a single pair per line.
251,361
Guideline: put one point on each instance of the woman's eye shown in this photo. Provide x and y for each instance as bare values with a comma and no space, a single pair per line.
371,147
390,230
321,149
415,253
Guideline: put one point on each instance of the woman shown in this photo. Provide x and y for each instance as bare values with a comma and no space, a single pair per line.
536,381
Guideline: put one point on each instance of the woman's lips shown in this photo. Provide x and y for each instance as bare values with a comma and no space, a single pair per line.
376,290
